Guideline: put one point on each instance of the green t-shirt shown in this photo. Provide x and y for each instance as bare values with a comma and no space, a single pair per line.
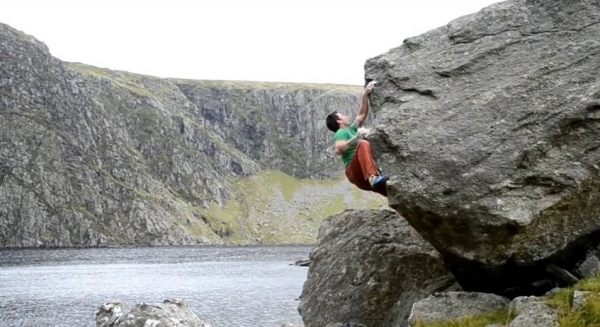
345,134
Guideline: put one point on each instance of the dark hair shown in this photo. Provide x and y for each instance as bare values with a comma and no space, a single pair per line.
332,121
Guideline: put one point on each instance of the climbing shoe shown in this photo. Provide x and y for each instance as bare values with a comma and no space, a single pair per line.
377,181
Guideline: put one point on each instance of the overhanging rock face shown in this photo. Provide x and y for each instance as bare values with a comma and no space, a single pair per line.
490,129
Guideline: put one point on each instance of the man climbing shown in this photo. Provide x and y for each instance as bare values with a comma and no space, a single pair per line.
355,150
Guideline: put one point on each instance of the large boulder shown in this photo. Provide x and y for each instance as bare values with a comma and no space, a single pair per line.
489,127
368,268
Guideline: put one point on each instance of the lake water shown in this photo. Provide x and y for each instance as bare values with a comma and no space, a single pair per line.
225,286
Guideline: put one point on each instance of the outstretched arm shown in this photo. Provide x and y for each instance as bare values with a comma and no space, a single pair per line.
364,106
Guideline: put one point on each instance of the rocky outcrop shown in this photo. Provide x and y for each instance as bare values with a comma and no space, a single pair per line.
531,311
94,157
454,305
368,268
488,310
489,129
170,313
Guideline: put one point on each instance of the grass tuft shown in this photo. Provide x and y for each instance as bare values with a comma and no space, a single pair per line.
498,317
588,315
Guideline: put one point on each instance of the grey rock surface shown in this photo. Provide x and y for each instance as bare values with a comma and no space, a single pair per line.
489,128
590,266
440,307
95,157
531,311
170,313
579,299
369,267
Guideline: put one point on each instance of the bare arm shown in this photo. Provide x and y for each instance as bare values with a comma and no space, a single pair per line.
363,111
343,146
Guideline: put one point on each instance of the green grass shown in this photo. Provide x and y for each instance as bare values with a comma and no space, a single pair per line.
133,87
587,315
221,84
260,85
92,70
256,196
289,185
499,317
123,80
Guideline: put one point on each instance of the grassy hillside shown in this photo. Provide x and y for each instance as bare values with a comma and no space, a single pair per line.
273,207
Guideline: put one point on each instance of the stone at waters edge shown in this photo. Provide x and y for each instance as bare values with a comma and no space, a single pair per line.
170,313
369,267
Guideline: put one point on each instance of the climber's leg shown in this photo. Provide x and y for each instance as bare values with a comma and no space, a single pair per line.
363,171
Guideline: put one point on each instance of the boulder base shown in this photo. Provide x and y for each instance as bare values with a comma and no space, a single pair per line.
368,268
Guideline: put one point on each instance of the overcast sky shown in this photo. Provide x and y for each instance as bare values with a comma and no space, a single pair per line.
321,41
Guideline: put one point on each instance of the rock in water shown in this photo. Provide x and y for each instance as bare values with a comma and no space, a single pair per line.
368,268
301,263
171,313
489,127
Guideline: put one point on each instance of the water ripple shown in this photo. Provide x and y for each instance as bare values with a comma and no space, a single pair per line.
226,286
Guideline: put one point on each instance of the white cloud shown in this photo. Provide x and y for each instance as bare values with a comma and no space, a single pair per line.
324,41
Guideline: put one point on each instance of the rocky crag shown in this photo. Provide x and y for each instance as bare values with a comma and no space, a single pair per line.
95,157
489,128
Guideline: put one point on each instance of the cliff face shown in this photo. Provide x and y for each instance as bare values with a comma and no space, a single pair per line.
279,126
93,157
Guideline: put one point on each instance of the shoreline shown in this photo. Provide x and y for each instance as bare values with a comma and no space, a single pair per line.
158,246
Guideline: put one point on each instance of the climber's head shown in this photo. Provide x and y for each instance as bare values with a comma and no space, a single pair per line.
336,120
